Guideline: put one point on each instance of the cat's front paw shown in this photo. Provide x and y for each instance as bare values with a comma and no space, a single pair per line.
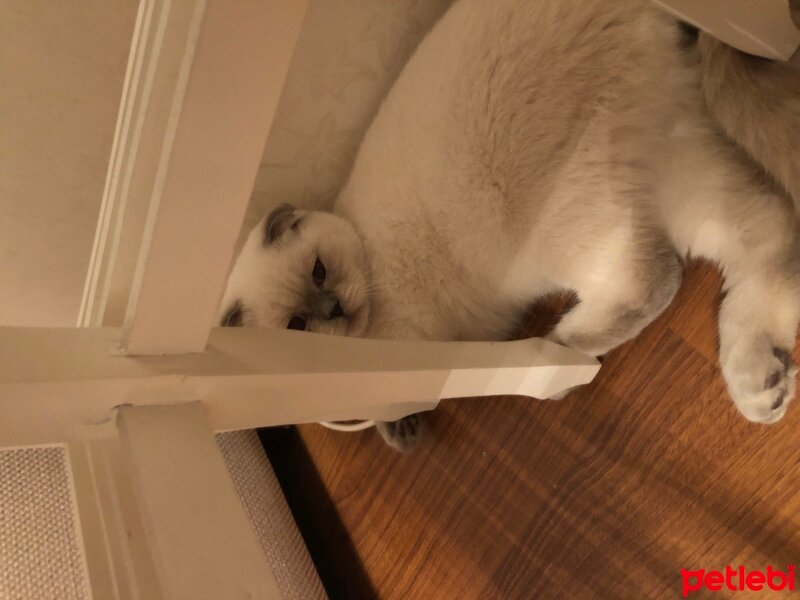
403,434
761,381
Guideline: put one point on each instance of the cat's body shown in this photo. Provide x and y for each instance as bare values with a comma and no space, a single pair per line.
533,146
498,151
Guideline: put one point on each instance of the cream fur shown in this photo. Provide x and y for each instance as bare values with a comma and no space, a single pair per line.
532,146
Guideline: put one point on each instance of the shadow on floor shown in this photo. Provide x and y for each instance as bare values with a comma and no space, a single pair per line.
328,542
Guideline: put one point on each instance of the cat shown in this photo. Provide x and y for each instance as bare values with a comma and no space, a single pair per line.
757,103
535,146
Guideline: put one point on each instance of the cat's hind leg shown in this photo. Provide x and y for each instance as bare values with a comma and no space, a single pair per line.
735,218
614,308
757,324
755,240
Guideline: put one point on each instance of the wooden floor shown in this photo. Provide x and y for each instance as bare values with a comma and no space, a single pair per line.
606,494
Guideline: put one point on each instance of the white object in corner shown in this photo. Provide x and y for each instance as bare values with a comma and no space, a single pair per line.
762,27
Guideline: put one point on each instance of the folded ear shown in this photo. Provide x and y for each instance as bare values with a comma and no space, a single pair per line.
278,221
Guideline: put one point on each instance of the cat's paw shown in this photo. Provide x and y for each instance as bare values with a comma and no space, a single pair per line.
761,381
403,434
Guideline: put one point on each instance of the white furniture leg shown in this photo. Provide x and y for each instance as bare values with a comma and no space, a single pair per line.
58,384
201,542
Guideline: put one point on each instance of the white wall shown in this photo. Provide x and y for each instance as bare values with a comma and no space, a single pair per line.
62,63
347,56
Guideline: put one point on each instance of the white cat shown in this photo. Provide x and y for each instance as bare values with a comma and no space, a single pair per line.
533,146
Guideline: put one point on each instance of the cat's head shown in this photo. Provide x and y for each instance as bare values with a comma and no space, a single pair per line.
300,270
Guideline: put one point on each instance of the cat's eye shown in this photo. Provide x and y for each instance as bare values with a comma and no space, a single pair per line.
297,322
319,273
233,318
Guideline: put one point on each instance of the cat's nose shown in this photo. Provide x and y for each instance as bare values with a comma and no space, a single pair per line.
325,305
336,311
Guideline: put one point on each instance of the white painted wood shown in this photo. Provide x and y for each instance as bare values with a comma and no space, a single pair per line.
57,384
118,558
224,95
202,543
763,28
102,577
118,480
163,35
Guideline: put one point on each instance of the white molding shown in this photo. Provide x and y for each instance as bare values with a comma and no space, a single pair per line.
203,82
158,46
118,558
145,483
59,384
200,539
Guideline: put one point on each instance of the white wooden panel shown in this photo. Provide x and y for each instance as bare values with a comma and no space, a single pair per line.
57,384
212,149
202,543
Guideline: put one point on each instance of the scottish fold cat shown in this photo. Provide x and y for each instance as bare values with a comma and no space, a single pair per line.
531,146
